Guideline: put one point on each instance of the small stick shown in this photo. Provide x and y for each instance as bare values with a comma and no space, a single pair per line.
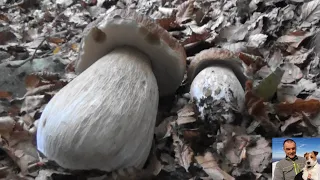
4,168
29,59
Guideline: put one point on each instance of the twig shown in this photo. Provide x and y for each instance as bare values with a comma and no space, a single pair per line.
35,165
204,16
28,59
21,3
4,168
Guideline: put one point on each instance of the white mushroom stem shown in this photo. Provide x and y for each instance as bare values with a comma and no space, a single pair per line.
104,119
217,83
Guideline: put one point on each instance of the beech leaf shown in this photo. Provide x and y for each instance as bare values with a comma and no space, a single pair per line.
210,166
167,23
5,95
291,73
269,85
311,106
311,11
185,11
183,152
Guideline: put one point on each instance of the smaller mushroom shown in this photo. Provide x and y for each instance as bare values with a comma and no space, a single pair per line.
217,83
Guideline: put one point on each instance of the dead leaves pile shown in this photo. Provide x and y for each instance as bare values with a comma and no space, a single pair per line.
278,44
54,29
18,123
220,157
182,22
262,103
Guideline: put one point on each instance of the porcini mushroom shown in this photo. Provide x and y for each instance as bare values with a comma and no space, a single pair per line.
217,74
104,119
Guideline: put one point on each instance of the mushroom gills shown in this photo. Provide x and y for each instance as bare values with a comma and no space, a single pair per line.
217,89
104,119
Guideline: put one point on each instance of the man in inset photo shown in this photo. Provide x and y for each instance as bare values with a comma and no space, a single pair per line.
288,167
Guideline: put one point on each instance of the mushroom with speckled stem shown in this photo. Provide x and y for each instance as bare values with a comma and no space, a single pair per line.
217,75
104,118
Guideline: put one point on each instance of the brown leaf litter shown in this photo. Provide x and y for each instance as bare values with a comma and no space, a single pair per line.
265,35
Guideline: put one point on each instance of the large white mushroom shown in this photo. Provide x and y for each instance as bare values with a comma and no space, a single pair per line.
104,119
217,74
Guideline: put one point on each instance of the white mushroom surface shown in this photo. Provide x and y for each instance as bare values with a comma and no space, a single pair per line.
167,56
104,119
218,83
96,121
216,75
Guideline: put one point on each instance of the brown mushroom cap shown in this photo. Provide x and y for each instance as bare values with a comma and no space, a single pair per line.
216,57
127,27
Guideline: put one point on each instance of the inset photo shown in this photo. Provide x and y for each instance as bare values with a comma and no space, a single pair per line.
295,158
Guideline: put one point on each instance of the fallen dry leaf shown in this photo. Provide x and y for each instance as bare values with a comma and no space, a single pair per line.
309,123
70,68
21,158
291,120
13,110
4,18
57,50
275,59
185,11
255,62
311,106
243,150
269,85
307,85
196,38
299,57
32,103
311,11
55,40
210,166
168,23
257,109
27,119
6,35
254,103
235,47
291,73
294,39
5,95
168,161
187,111
168,12
264,72
16,142
288,92
31,81
199,15
46,88
50,76
183,152
185,120
257,40
7,124
235,149
259,156
191,135
164,129
74,47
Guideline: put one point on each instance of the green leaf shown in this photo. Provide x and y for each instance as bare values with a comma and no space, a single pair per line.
268,86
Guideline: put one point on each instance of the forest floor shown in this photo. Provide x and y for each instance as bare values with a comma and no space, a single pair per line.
276,40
